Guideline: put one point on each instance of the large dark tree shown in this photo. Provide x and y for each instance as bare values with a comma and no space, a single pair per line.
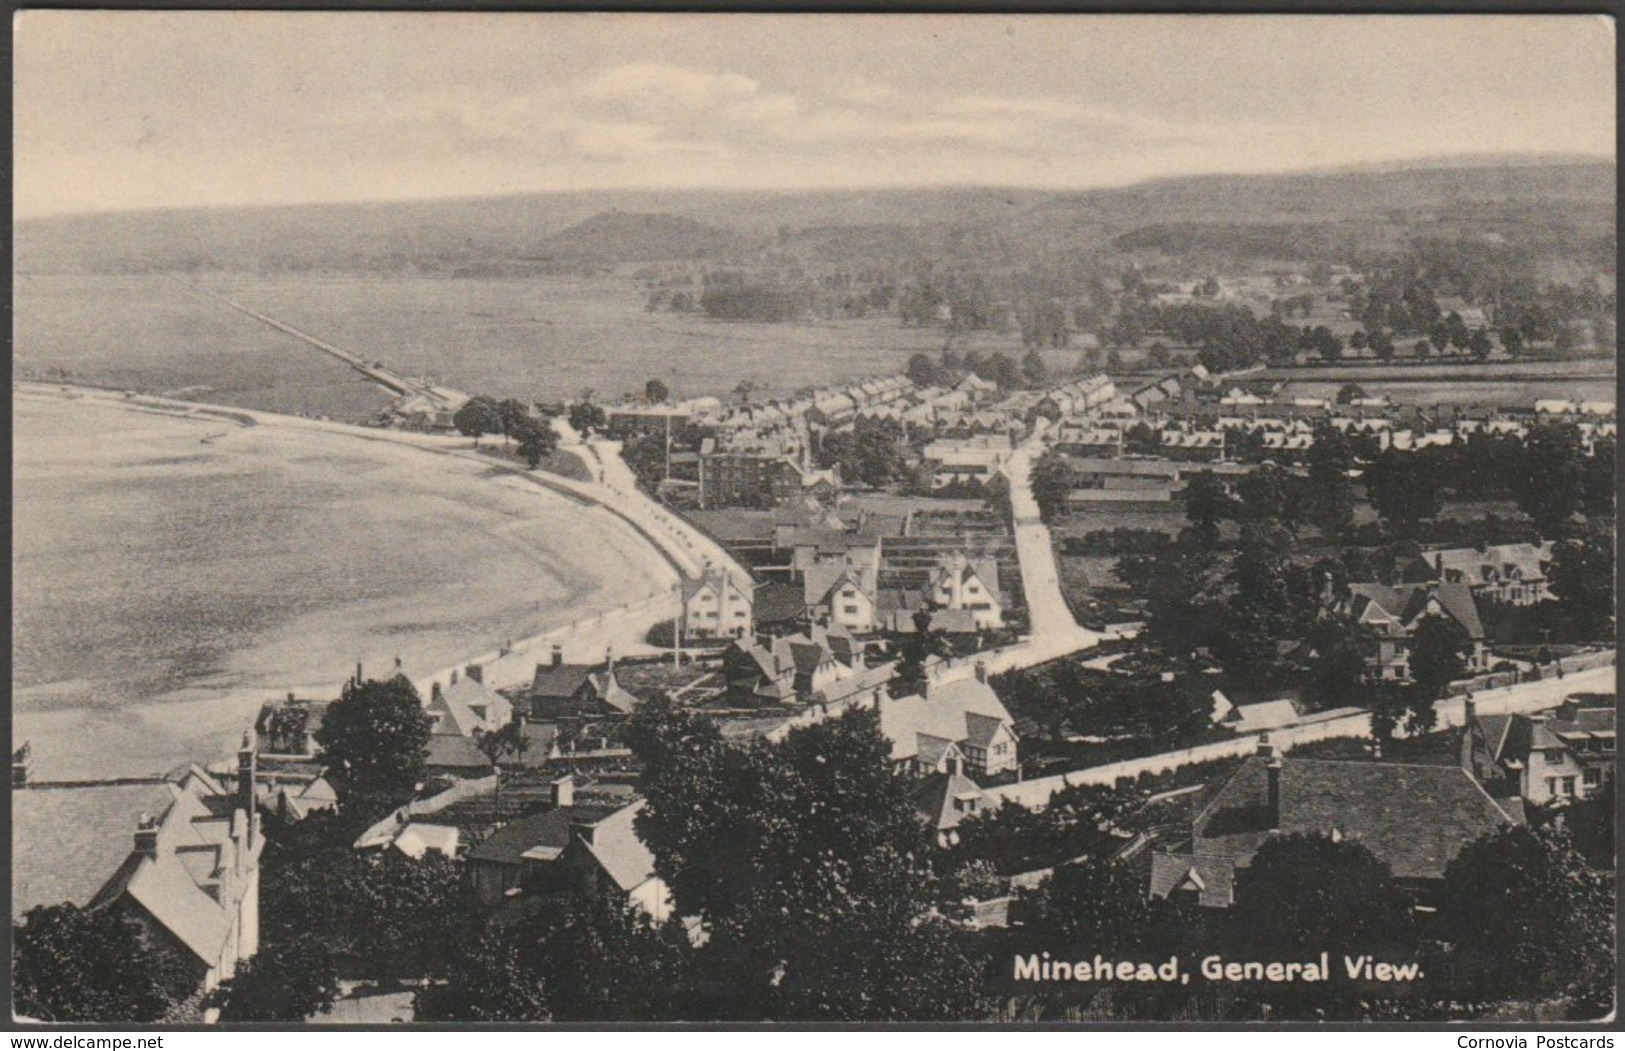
283,982
802,858
1327,494
1552,484
77,965
584,417
1302,894
1269,494
1097,905
1404,489
375,740
1207,502
1052,478
1599,482
1530,918
536,441
1438,654
655,391
1581,577
478,416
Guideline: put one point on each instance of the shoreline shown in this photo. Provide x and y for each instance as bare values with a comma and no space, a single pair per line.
611,612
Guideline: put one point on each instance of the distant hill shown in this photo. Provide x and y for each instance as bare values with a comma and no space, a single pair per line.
1519,199
634,237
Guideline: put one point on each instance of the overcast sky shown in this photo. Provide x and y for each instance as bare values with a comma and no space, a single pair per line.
142,109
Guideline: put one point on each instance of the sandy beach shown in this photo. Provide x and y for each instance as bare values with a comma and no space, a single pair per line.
198,566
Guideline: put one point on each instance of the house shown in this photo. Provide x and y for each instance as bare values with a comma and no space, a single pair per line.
606,856
963,719
1514,574
295,801
179,856
559,690
1389,614
467,706
945,798
972,459
1258,718
841,595
717,606
970,584
415,839
520,858
287,729
791,668
1414,818
1541,758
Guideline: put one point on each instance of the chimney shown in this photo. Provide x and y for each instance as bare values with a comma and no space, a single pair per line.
981,672
609,658
1272,770
399,670
358,673
434,690
454,677
21,760
1469,711
247,757
146,836
563,791
476,672
290,696
558,656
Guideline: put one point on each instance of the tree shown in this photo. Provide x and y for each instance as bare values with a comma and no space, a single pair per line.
375,738
1437,655
655,392
1052,479
1529,917
515,415
1096,904
1512,340
915,651
1479,343
1142,439
1305,892
1551,485
1268,494
80,965
870,452
479,416
1598,481
1404,489
376,914
536,442
922,371
1349,392
1034,371
1581,577
1207,502
1328,495
585,417
799,856
284,982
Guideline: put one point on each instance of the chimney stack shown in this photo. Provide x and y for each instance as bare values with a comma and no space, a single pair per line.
558,656
609,658
1469,711
358,673
1272,770
434,690
146,837
290,696
476,672
563,791
247,768
454,677
981,672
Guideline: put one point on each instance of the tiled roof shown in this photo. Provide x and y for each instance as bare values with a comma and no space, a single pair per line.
778,602
1269,715
548,829
67,842
1415,818
455,752
935,797
1212,877
562,680
1408,602
943,714
618,850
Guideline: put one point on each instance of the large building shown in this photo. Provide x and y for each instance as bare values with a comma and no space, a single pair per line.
178,855
718,605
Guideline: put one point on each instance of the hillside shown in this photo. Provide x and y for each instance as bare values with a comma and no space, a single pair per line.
1558,207
633,237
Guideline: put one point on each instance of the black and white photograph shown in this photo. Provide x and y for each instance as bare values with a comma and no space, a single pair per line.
741,519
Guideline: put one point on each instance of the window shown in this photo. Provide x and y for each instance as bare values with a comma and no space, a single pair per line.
1551,786
1593,777
850,611
1568,786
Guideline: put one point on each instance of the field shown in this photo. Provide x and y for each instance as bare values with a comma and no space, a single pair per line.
170,574
544,338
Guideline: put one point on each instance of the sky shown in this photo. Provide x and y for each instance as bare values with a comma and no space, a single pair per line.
141,109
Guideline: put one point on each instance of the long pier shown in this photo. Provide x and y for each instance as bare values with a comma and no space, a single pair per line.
386,378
